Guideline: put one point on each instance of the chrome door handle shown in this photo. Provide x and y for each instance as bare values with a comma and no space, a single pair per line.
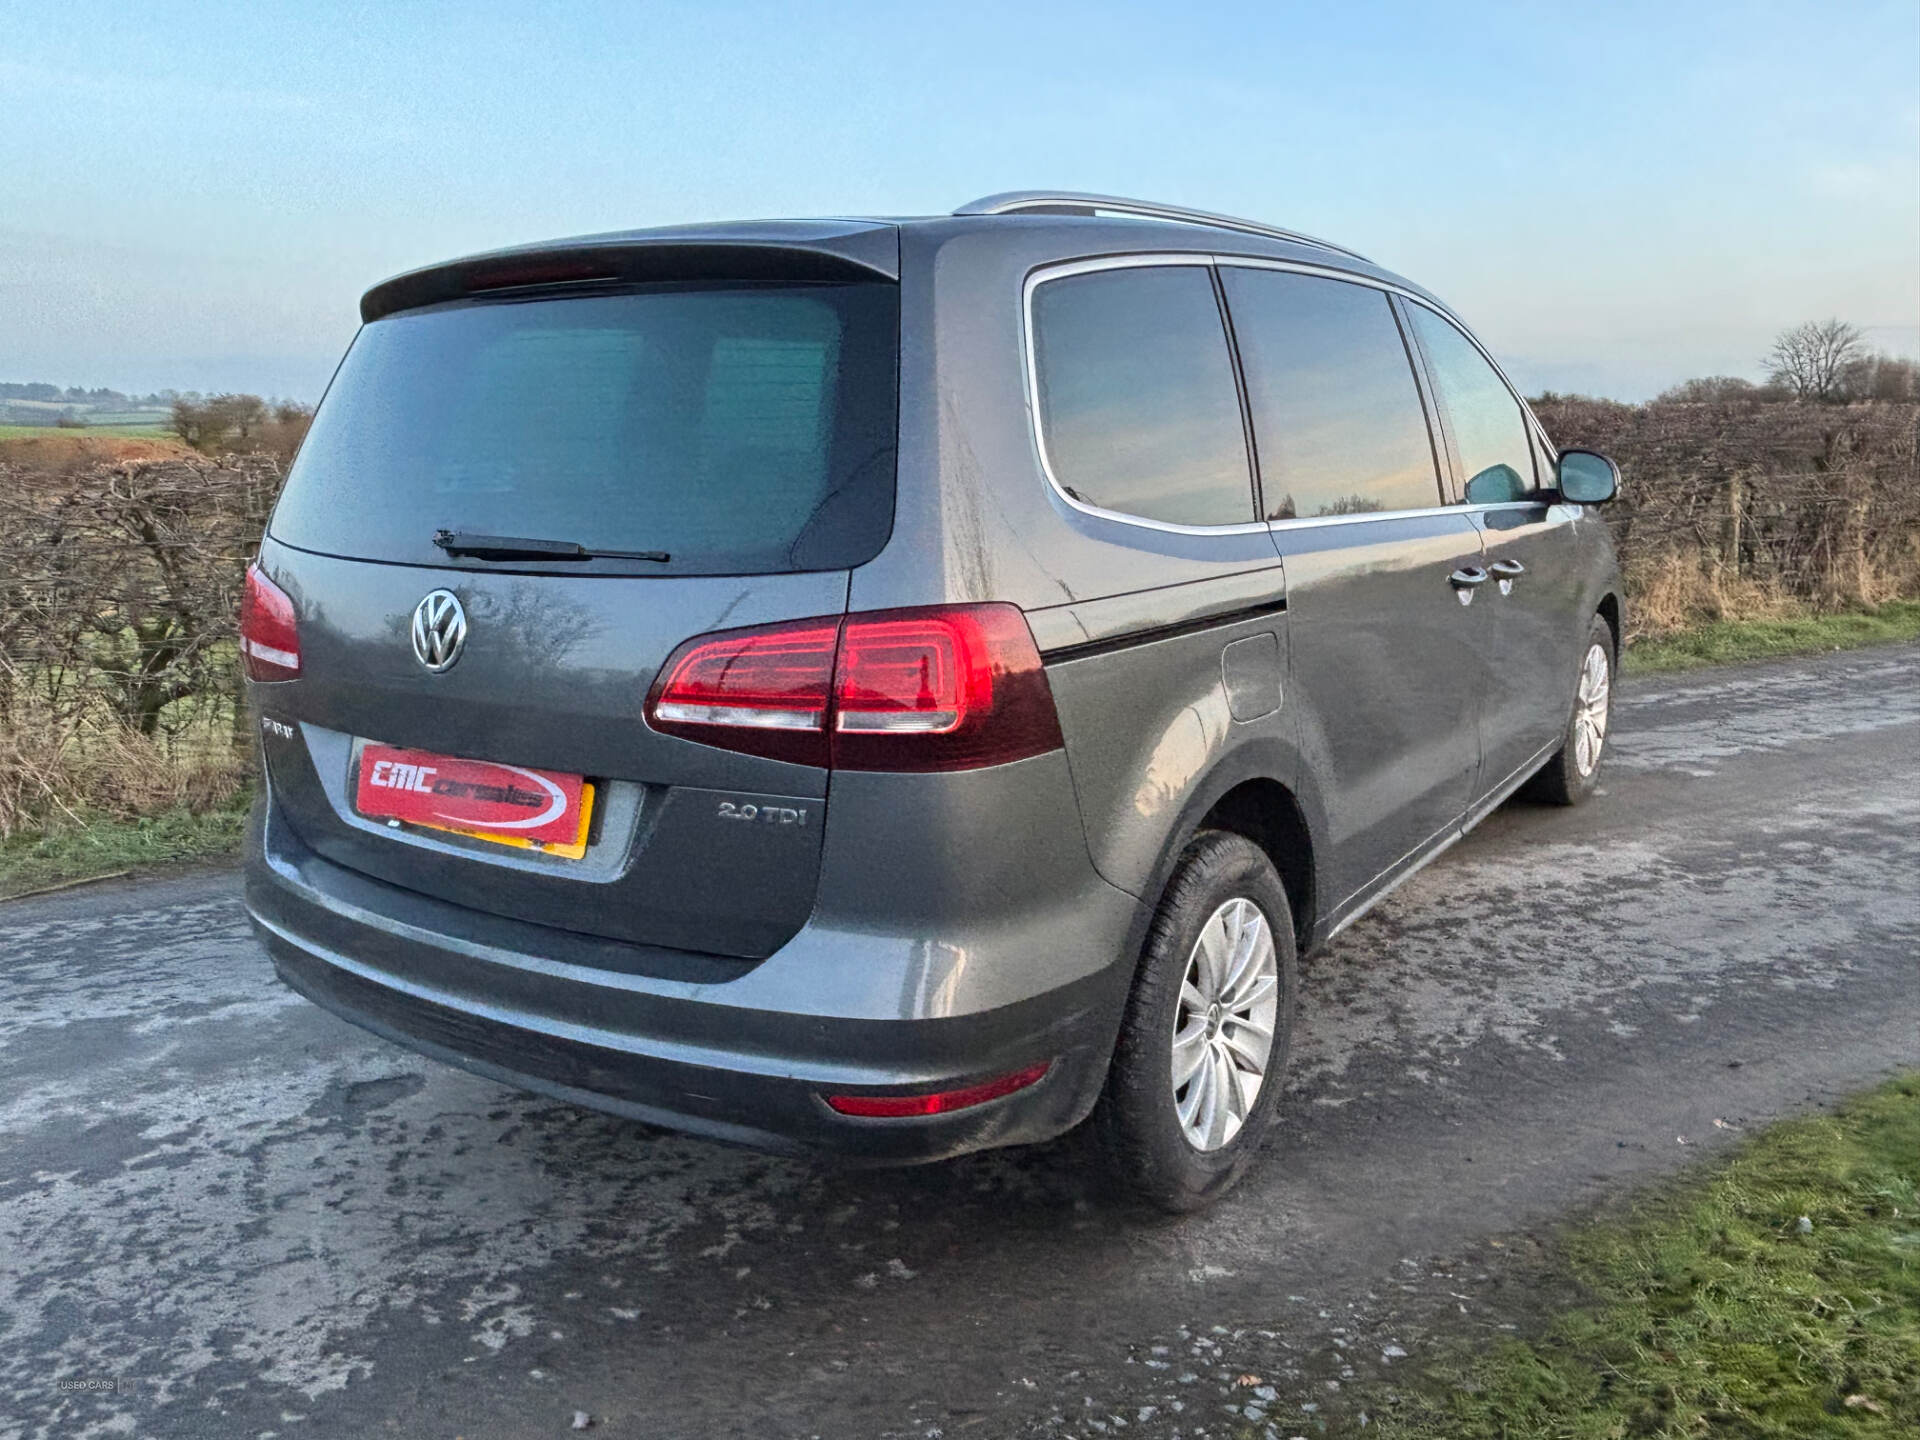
1507,568
1466,582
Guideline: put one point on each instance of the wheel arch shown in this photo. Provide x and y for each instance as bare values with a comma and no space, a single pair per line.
1609,610
1256,792
1267,813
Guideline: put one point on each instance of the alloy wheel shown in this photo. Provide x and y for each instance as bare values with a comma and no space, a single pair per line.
1223,1024
1590,709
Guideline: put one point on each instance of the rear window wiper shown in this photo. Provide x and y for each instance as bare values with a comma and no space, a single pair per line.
512,547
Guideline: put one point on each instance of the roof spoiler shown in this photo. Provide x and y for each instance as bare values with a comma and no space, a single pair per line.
803,251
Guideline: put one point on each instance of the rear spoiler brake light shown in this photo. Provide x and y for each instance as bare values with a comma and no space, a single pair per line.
813,253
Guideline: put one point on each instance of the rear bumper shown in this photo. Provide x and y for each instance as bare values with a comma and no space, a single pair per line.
746,1059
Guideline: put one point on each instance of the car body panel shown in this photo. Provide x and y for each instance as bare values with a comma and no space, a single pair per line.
1383,681
1538,624
1146,710
554,674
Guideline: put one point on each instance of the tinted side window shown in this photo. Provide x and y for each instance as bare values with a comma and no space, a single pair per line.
1337,419
1496,453
1138,410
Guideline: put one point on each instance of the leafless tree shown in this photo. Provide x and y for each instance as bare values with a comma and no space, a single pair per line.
188,420
1811,360
225,423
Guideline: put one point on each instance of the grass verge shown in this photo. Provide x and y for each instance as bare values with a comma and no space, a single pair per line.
103,846
1713,1308
1727,641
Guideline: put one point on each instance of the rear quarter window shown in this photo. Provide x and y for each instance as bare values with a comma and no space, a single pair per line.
1138,411
743,429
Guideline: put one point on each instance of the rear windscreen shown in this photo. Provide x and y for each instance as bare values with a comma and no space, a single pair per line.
743,429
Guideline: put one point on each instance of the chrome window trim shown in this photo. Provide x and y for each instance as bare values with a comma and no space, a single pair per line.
1143,261
1150,259
1305,522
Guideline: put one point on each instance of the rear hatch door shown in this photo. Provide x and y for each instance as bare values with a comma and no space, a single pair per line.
721,452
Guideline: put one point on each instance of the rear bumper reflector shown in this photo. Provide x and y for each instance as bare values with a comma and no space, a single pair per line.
940,1102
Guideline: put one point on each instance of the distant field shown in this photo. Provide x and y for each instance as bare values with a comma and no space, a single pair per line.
154,419
142,429
28,417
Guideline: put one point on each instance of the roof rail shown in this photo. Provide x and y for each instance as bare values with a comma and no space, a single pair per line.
1072,202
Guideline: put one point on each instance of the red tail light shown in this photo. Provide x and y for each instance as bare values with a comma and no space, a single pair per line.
269,634
943,688
763,690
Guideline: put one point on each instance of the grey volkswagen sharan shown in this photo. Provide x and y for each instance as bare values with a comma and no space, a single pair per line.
888,688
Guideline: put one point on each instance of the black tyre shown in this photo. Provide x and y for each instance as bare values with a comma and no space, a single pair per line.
1196,1074
1571,775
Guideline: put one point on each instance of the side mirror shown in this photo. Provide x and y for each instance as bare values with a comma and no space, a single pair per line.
1587,478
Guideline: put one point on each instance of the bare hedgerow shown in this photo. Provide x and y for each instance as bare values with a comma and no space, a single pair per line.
1732,508
119,599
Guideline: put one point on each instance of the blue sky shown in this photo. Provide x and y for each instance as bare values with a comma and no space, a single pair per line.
1616,195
